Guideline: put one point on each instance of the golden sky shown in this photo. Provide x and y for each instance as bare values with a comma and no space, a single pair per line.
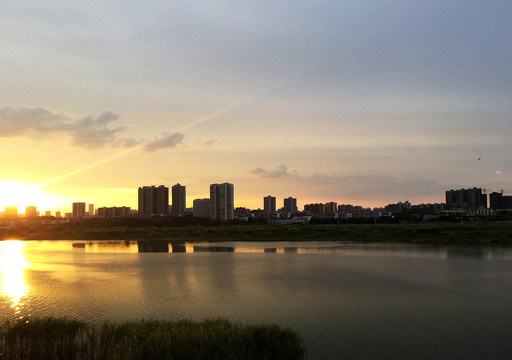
364,102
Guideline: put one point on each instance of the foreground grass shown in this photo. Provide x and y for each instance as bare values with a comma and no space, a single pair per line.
57,338
475,232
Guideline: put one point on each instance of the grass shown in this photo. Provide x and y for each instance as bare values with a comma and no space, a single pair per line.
467,233
57,338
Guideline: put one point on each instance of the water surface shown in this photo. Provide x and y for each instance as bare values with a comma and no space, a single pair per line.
362,301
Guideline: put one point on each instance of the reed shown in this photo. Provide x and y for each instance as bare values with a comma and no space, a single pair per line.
56,338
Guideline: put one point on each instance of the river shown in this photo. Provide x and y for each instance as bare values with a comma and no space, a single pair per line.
348,300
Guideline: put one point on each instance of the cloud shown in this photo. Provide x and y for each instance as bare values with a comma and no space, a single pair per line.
281,171
26,120
85,132
375,186
209,143
368,188
165,141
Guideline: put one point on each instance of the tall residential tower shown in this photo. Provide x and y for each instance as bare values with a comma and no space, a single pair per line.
179,200
221,201
290,205
269,205
153,200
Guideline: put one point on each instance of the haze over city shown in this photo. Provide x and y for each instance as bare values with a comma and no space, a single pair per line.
358,102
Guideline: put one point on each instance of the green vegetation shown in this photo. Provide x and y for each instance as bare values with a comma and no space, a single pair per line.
470,232
51,338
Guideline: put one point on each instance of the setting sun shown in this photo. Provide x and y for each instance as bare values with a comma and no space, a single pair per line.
21,195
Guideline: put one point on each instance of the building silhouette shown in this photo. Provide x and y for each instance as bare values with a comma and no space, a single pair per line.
331,207
466,199
179,200
201,208
242,212
269,205
499,201
114,211
11,212
78,209
153,201
222,201
30,211
317,208
290,205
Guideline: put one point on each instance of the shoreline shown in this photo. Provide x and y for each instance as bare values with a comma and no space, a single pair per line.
473,233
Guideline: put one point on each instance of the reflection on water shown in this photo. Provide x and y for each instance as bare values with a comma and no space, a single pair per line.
214,249
179,248
106,246
153,246
348,300
310,247
12,280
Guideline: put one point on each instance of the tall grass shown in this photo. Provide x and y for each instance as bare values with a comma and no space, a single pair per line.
44,339
52,338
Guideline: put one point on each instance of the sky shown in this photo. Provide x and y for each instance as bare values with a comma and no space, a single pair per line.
359,102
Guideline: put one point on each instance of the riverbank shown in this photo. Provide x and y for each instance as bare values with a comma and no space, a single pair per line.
58,338
472,232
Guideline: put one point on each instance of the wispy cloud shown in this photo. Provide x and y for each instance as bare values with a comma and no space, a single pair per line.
35,122
165,141
368,188
281,171
88,132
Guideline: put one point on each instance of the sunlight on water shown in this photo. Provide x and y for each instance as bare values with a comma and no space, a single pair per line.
12,267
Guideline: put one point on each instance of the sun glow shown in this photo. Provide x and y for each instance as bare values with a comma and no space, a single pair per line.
21,195
12,266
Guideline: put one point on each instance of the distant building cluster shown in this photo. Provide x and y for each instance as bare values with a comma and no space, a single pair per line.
498,201
108,212
153,201
466,199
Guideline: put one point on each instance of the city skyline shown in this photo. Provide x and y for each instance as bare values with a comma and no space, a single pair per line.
157,201
354,102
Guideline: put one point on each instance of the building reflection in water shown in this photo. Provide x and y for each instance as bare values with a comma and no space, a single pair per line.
12,269
153,246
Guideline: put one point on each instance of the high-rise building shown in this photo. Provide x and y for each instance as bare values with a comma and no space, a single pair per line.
499,201
47,213
317,208
30,211
179,199
57,214
91,210
153,201
331,207
269,205
467,199
290,205
201,208
78,209
11,212
221,201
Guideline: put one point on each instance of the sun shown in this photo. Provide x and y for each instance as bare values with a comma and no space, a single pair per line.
20,194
